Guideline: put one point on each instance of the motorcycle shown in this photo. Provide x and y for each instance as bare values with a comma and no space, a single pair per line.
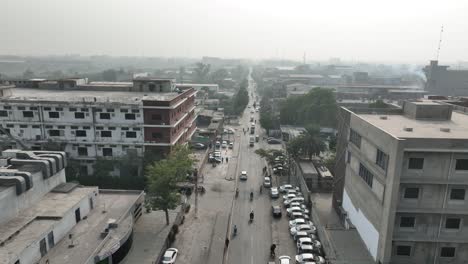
235,231
251,217
251,196
237,192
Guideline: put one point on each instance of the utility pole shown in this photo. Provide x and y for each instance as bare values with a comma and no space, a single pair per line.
440,42
195,173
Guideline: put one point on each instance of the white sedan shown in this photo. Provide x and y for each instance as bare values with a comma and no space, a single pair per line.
307,228
299,221
170,256
243,175
309,258
284,260
274,192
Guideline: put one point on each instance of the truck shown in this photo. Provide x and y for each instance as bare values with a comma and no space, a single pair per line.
251,141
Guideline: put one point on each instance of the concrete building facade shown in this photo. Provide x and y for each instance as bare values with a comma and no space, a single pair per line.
44,219
405,181
440,80
99,120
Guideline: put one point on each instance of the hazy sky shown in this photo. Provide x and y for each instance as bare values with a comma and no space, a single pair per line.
367,30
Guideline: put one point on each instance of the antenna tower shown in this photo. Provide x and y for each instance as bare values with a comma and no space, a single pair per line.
440,42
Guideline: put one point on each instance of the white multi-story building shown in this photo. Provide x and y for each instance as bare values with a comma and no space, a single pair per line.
98,120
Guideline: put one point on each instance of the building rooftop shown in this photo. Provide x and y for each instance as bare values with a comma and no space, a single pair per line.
34,223
396,124
29,94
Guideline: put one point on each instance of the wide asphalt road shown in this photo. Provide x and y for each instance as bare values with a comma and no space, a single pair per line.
252,243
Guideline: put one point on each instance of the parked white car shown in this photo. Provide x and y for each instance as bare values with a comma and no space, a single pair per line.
170,256
284,260
299,221
307,228
309,258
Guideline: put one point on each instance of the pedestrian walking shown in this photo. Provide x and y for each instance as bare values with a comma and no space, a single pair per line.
227,160
227,243
222,159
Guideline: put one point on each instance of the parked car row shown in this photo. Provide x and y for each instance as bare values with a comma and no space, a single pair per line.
303,231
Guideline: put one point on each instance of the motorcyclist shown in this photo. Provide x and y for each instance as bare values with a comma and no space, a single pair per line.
272,250
261,188
251,215
235,230
237,192
251,195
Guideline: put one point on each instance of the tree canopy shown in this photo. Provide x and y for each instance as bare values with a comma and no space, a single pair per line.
163,177
308,144
316,107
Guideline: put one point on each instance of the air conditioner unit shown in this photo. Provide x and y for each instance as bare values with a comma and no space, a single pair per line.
112,115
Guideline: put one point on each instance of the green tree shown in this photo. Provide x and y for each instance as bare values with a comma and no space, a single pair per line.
28,74
201,72
316,107
269,154
219,75
309,143
378,104
109,75
163,177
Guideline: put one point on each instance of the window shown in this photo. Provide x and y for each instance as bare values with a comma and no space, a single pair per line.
10,125
111,128
104,115
462,164
457,194
80,133
54,115
6,129
452,223
54,133
355,138
411,193
130,134
403,251
47,108
136,129
79,115
407,221
23,126
156,135
416,163
82,151
110,110
381,159
123,110
447,252
87,127
58,109
7,107
84,109
21,108
107,152
156,117
72,109
366,175
36,126
73,127
28,114
61,127
136,111
130,116
124,128
33,108
106,133
3,113
99,128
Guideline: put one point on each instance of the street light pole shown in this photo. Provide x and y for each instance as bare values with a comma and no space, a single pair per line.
195,172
